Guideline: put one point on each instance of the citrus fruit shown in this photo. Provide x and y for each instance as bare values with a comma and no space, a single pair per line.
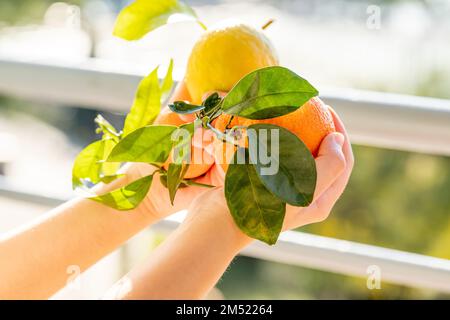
223,55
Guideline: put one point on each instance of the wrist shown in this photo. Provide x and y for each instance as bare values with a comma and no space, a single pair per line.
217,223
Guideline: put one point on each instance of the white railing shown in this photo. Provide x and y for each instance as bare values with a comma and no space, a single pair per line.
378,119
373,118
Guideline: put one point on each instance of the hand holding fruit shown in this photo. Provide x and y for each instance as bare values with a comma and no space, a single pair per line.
157,201
334,164
224,137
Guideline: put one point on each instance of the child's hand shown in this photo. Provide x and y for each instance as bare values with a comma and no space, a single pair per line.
334,165
157,202
208,239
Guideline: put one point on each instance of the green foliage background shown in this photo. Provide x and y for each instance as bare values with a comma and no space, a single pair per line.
394,199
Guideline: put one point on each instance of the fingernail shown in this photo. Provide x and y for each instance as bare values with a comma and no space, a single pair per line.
339,139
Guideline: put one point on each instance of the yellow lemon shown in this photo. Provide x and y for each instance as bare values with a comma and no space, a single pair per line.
223,55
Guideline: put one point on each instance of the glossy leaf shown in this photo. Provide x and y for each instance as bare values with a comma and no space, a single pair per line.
146,105
88,163
163,179
294,177
268,93
127,197
183,142
255,210
143,16
150,144
175,174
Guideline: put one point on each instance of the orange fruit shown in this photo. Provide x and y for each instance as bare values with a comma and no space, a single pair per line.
201,160
310,123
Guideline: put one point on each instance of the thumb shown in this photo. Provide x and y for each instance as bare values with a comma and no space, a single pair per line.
330,162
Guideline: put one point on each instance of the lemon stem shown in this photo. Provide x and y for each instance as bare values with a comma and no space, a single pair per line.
267,24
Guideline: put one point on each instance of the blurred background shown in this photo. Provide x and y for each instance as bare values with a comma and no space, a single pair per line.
395,199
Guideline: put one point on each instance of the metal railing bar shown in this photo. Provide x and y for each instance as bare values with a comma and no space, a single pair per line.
317,252
377,119
10,191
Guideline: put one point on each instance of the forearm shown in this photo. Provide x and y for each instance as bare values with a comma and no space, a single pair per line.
188,264
35,258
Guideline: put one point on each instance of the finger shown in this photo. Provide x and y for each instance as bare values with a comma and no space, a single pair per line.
180,93
327,200
158,200
317,211
347,150
321,207
330,162
187,117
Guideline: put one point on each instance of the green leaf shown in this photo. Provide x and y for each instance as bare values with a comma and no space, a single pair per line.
163,179
105,128
197,184
143,16
289,170
211,101
127,197
175,174
268,93
150,144
184,107
191,126
167,83
255,210
109,169
88,163
146,104
182,139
